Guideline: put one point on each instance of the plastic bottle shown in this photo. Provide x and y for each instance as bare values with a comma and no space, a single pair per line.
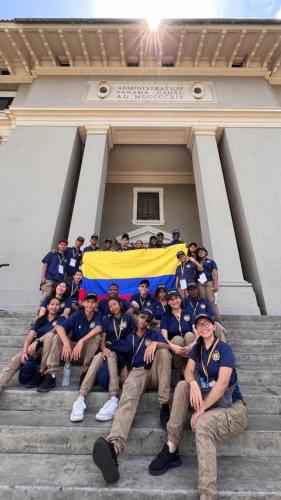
66,374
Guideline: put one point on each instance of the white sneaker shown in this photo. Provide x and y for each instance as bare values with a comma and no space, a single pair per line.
108,410
78,410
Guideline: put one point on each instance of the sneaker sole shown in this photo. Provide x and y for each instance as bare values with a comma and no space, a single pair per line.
75,419
171,465
103,459
104,419
39,389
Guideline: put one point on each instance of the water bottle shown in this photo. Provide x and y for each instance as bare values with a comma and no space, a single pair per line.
66,374
216,297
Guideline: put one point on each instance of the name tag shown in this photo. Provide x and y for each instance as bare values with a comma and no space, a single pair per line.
183,284
72,262
202,278
61,270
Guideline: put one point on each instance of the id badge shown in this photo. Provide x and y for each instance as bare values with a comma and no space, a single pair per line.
202,278
72,262
61,269
183,284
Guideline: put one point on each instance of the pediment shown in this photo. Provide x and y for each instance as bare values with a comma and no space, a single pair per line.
143,233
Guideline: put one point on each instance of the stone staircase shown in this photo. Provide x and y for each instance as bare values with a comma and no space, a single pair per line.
43,453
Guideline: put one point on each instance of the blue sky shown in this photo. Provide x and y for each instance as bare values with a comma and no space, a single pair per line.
250,9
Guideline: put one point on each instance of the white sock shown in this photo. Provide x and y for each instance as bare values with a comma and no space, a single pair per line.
81,397
114,399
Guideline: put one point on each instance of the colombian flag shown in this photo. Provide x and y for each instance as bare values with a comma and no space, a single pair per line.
127,269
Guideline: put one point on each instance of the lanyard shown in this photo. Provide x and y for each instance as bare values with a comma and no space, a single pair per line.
179,322
73,290
142,301
205,368
73,252
61,258
139,346
194,308
118,333
182,270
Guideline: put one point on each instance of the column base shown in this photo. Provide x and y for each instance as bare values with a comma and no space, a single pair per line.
237,298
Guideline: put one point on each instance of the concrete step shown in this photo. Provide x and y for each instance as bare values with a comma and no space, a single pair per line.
52,432
252,325
250,334
78,478
259,399
243,318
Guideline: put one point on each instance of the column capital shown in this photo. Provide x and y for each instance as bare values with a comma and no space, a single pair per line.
97,130
212,130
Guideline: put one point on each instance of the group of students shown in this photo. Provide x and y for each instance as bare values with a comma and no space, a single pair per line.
129,346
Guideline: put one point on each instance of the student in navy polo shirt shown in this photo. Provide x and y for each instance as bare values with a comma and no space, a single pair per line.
194,304
116,327
93,247
208,279
143,298
113,291
37,342
160,304
84,328
73,290
124,243
176,238
192,249
176,327
210,388
54,269
61,294
108,245
186,272
150,366
73,257
160,240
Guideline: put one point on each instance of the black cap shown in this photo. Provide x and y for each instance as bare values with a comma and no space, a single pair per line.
147,312
206,316
108,240
160,234
95,236
202,248
173,292
176,231
144,282
125,235
191,285
153,237
91,295
180,253
80,238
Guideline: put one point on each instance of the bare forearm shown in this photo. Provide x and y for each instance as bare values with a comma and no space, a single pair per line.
93,333
215,394
28,340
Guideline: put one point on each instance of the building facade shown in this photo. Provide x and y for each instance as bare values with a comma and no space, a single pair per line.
107,127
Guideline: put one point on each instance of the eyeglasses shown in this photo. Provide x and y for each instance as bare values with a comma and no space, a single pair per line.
201,326
143,286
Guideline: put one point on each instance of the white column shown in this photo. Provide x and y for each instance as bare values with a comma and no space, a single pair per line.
236,295
88,206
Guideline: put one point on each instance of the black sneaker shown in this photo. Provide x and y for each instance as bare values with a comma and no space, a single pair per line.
82,376
105,458
164,416
48,383
35,381
164,462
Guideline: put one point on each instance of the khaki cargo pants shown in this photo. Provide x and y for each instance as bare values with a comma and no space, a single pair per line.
179,361
214,425
206,292
96,363
89,349
139,379
14,363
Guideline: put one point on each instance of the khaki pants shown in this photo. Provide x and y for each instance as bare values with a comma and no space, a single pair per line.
179,361
96,363
216,424
47,289
89,349
14,363
206,292
139,379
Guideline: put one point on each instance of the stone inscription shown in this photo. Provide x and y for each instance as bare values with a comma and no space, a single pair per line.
149,92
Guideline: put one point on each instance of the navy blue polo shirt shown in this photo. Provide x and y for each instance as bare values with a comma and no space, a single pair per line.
65,303
53,261
222,356
187,272
43,329
73,290
199,306
104,310
174,327
73,260
79,325
158,309
90,249
146,301
124,326
137,346
209,265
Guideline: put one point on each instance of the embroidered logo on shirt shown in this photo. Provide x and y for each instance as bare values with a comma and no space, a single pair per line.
216,356
124,324
203,306
93,324
186,317
148,303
